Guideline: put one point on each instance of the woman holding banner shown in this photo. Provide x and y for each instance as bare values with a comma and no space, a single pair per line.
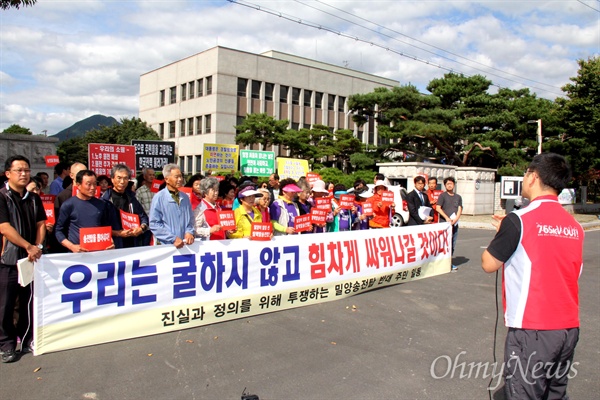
246,213
382,211
284,210
206,215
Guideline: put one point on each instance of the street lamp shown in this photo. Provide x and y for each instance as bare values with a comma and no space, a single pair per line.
539,132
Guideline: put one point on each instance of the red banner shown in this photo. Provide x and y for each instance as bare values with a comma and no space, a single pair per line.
129,221
50,218
51,161
387,197
156,185
318,217
47,198
346,201
311,177
261,231
367,209
323,203
302,223
102,157
187,191
97,238
227,220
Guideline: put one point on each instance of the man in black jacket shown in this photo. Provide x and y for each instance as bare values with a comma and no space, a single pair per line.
416,199
22,232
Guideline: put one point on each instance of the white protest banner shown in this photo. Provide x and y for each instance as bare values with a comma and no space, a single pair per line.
127,293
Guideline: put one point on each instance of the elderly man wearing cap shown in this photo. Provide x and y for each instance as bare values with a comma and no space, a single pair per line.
381,211
284,210
246,213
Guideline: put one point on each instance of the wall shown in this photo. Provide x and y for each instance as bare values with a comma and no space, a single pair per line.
35,148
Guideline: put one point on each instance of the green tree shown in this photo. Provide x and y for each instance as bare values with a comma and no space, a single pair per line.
580,116
6,4
260,129
76,149
15,129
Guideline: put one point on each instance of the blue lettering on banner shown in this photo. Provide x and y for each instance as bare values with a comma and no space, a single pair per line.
104,283
207,261
269,257
76,298
292,271
142,277
235,277
184,278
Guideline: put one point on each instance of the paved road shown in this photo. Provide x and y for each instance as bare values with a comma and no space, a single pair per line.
377,345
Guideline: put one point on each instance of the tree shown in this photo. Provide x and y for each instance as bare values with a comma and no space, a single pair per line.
260,129
346,145
76,149
580,116
15,129
6,4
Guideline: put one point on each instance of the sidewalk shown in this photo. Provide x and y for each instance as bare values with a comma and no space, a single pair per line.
588,221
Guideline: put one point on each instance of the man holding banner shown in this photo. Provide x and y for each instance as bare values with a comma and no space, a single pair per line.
22,230
124,200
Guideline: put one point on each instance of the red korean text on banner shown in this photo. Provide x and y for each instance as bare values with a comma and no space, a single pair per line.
367,209
303,223
102,157
261,231
323,203
220,178
436,195
97,238
346,201
318,217
97,195
47,198
156,185
51,161
227,220
129,221
311,177
50,218
387,197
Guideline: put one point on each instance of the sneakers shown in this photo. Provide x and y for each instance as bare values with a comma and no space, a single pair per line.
454,268
27,349
8,356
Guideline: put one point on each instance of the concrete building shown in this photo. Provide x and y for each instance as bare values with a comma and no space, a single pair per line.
201,98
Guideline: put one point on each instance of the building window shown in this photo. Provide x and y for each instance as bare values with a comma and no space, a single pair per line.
341,103
173,93
190,167
162,98
269,90
242,87
371,137
330,102
307,97
295,126
295,96
256,89
283,94
181,163
161,131
207,121
198,125
318,99
240,121
184,92
192,89
182,127
208,85
190,126
171,129
200,87
198,163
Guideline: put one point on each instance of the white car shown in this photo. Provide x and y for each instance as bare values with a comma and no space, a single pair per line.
400,217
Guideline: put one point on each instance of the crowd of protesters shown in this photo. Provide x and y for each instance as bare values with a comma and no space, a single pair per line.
176,213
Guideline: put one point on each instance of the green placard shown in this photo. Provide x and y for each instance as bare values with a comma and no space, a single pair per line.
257,163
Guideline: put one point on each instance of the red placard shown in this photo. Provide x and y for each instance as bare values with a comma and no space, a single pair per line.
367,209
97,195
102,157
47,198
261,231
311,177
97,238
220,178
346,201
129,221
434,195
387,197
323,203
186,190
49,208
302,223
156,185
227,220
51,161
318,217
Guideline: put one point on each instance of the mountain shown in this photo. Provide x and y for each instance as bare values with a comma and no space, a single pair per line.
80,128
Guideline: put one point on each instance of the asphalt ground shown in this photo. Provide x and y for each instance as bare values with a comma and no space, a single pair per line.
376,345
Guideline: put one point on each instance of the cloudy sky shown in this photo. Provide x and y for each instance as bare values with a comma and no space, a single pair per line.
65,60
